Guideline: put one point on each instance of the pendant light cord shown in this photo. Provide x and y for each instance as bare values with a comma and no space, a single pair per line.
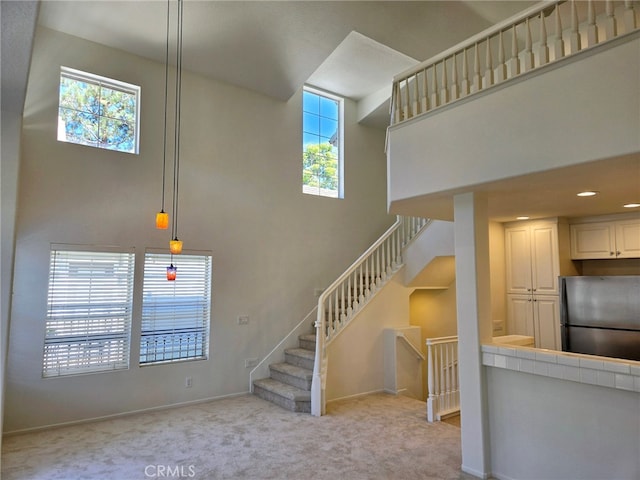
166,95
176,157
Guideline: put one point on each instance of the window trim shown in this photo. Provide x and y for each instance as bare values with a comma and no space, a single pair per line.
79,75
115,364
207,287
340,101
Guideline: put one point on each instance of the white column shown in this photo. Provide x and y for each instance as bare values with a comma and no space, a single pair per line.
474,326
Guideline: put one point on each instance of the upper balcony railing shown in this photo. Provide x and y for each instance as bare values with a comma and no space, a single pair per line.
535,38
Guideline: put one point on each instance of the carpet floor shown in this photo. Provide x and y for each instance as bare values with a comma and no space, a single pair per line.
377,436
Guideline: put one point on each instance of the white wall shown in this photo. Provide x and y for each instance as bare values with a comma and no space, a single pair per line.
555,123
240,198
543,427
356,356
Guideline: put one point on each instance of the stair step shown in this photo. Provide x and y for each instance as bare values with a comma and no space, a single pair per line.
300,357
283,395
308,341
292,375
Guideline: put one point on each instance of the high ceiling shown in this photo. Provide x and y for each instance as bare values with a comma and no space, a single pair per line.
352,48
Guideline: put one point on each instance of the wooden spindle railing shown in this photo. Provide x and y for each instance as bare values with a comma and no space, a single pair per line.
346,296
440,80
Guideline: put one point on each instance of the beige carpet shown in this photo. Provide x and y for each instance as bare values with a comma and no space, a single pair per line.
373,437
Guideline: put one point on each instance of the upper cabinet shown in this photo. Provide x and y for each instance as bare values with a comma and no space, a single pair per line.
613,239
532,258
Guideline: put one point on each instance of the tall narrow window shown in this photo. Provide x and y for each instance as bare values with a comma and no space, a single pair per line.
322,164
88,323
98,111
175,315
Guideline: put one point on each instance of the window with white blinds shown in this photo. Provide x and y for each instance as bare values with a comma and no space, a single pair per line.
175,314
88,325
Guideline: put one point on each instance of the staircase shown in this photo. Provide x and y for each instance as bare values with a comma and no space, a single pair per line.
289,384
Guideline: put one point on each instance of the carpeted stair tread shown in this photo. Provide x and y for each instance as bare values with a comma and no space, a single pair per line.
301,352
287,391
292,370
309,337
308,341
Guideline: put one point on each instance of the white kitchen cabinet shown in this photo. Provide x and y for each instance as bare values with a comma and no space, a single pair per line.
600,240
537,316
532,259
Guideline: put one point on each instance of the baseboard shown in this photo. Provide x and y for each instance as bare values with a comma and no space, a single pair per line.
356,395
120,415
475,473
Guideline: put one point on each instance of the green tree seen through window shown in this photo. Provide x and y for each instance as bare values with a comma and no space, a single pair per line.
98,112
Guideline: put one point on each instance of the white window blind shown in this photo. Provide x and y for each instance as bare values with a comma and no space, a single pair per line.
88,323
175,314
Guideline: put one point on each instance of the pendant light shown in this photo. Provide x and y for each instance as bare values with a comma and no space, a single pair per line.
175,245
162,218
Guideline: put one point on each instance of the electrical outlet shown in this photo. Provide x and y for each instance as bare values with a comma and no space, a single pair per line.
250,362
188,382
243,320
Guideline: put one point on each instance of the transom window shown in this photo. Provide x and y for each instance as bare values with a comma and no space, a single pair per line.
322,150
98,111
176,314
88,324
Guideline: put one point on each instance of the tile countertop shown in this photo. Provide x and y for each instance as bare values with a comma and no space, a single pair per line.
591,369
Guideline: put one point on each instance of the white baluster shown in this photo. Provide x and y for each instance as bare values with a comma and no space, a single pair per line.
558,43
455,92
425,92
444,92
574,37
477,79
416,95
434,87
543,49
629,17
592,28
514,61
528,53
501,69
407,96
465,85
610,26
488,70
349,296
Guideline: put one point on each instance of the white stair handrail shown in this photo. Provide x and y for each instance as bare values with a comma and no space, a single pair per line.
346,296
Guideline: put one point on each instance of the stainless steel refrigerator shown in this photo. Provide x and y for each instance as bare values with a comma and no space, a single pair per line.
601,315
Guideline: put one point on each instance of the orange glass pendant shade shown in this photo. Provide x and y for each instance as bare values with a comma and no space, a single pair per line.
162,220
171,272
175,246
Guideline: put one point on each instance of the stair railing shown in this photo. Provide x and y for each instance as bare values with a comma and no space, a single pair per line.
346,296
442,377
542,34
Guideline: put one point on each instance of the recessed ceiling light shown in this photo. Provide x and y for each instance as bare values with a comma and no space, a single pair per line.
588,193
522,218
631,205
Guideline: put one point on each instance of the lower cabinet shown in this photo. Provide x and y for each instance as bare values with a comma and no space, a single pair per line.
537,316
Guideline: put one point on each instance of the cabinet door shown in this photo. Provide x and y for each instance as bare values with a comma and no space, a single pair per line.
628,239
592,240
518,259
546,315
520,315
545,264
